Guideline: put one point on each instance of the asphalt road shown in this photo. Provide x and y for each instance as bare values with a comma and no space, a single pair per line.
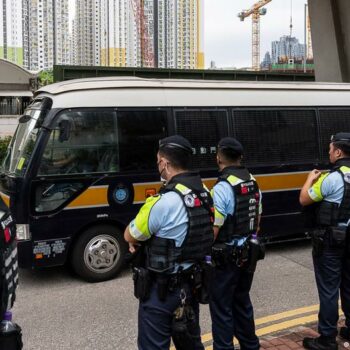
57,311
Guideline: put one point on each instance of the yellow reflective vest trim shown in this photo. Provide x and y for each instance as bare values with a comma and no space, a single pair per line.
183,189
219,219
139,226
315,191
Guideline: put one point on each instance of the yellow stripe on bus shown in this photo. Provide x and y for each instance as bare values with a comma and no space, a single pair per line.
96,196
280,182
93,196
267,183
5,198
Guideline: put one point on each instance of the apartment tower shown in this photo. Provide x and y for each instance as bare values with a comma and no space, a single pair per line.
11,47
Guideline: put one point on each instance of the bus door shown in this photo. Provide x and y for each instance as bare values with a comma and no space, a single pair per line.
97,167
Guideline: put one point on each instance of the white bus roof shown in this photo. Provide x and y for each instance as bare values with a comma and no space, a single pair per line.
134,82
138,92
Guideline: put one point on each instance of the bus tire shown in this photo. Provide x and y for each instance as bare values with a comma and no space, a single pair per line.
98,253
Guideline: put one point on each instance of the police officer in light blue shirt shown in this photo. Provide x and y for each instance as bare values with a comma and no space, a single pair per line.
176,229
237,205
328,194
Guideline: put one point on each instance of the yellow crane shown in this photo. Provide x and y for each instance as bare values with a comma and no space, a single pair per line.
255,11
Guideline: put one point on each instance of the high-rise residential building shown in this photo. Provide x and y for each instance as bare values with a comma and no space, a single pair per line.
114,32
47,23
179,36
61,32
287,48
11,47
88,32
134,33
266,63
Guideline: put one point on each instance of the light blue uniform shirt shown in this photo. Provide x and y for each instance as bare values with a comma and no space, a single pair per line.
332,189
329,187
168,219
224,203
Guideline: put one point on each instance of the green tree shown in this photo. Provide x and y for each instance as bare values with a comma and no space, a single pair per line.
4,142
45,77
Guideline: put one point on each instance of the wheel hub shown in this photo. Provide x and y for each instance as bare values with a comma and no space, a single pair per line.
101,253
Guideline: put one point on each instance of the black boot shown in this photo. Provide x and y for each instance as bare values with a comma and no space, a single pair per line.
320,343
344,332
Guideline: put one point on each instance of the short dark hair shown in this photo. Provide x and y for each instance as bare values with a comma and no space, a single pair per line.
343,146
177,157
229,154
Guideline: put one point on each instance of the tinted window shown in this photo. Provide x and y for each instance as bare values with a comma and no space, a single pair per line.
274,137
332,122
139,134
203,128
82,142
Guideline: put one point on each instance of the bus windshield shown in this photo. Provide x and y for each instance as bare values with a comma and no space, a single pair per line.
21,147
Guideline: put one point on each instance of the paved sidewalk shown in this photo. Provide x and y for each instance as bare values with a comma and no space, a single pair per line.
292,339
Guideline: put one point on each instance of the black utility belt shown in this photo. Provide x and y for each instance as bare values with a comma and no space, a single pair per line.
334,237
245,256
223,253
197,277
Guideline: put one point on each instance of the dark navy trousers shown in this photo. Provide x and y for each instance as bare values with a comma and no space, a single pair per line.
155,320
231,309
332,272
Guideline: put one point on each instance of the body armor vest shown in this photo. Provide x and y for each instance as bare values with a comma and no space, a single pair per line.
244,220
330,214
8,262
162,255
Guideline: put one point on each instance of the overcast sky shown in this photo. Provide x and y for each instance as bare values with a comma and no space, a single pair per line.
227,40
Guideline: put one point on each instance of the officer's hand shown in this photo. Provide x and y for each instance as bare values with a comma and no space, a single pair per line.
133,247
314,175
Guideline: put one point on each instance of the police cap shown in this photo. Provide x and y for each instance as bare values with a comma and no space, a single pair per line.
232,144
341,137
176,142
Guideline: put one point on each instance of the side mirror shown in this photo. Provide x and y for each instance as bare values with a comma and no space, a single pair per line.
65,127
24,118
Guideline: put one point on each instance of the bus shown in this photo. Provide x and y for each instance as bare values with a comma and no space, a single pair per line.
83,158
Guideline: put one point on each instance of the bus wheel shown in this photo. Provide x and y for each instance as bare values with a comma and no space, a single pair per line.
98,253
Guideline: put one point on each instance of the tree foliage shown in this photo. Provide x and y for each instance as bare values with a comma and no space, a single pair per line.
4,142
45,77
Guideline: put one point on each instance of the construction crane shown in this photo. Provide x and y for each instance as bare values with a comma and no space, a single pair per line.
146,47
255,11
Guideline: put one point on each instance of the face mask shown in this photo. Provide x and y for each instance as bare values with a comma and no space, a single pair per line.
161,177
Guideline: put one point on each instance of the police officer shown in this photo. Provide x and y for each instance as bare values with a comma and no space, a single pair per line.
237,203
9,339
329,195
176,230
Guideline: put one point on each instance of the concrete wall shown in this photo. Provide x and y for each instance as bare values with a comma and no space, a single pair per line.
330,30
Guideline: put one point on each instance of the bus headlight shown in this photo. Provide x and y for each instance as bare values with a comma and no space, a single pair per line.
22,232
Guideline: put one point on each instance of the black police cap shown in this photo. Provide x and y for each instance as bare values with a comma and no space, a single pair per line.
341,137
176,142
232,144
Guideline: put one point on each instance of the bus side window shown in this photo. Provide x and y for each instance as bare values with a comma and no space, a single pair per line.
90,145
277,137
203,128
139,135
50,196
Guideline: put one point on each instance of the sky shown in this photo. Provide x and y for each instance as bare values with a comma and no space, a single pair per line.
227,40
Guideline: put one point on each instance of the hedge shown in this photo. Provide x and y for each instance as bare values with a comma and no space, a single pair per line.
4,142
